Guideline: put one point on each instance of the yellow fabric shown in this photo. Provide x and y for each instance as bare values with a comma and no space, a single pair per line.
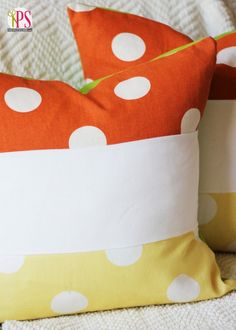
28,293
220,230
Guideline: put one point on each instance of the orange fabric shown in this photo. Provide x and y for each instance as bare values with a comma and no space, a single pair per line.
224,80
176,87
94,43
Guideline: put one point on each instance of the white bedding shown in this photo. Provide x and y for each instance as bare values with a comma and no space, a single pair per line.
50,53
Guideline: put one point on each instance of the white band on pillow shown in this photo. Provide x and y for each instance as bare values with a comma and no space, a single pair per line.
217,136
65,201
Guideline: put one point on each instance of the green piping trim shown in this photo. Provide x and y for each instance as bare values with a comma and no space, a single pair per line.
88,87
224,34
176,50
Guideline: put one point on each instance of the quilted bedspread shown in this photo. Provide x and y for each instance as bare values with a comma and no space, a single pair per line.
50,53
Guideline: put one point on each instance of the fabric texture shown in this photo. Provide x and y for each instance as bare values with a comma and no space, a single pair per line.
214,314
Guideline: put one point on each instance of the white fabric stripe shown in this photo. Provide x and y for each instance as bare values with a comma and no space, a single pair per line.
64,201
217,135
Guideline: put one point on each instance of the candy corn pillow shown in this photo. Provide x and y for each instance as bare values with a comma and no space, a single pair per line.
217,213
110,41
126,39
99,190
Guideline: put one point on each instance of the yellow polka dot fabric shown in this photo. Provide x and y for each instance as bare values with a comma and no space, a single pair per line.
217,217
180,269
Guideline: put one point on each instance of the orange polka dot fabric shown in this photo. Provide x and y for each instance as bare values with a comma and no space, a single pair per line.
159,102
217,212
122,39
149,100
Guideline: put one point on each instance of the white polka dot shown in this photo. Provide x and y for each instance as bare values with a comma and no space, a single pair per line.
183,289
87,136
128,46
68,302
88,81
22,99
231,247
11,264
124,256
227,56
133,88
207,209
190,120
80,8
